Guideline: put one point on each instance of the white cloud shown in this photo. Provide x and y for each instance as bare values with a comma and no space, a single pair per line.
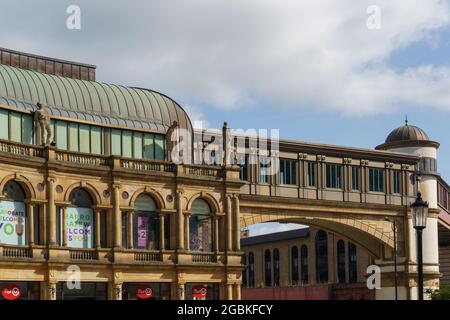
233,54
272,227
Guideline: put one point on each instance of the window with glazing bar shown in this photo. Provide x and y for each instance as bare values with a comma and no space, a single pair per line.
333,176
311,174
376,180
355,178
397,181
288,171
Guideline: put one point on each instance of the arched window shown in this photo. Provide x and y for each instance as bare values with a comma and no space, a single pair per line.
146,231
13,215
80,198
321,257
276,267
200,230
244,272
251,270
352,263
304,264
294,265
341,261
79,220
268,268
13,191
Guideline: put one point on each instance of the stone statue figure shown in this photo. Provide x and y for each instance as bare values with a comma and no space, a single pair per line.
229,150
171,140
42,118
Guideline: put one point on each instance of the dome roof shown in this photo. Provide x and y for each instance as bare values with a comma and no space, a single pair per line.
407,135
102,103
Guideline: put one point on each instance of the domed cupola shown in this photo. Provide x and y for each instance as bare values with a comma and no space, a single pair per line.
407,136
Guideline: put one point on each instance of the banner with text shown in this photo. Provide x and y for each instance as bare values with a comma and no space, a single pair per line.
12,222
79,227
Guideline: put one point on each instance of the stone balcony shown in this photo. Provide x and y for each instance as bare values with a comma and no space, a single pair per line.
65,255
55,157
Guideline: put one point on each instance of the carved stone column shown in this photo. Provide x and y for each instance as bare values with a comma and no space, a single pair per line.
117,291
186,231
130,229
237,291
181,291
51,211
64,226
236,224
51,291
229,291
97,228
216,233
161,231
117,218
229,225
180,221
30,223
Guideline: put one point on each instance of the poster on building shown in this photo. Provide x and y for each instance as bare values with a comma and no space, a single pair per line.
142,231
79,227
12,222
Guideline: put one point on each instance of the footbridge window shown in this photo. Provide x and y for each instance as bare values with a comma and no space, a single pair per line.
288,171
321,257
334,176
200,227
13,215
376,180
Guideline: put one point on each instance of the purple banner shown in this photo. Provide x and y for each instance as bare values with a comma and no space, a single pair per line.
142,231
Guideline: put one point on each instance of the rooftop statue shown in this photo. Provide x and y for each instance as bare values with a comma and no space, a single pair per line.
42,118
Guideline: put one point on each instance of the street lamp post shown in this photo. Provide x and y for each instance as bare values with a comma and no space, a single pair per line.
419,215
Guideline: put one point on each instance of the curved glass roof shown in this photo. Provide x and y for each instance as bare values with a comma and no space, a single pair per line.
103,103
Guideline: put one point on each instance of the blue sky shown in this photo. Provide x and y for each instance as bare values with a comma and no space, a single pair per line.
317,70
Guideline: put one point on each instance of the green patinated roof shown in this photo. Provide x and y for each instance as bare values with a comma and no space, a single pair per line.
88,100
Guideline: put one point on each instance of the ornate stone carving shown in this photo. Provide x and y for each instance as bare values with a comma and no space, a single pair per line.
42,119
172,137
